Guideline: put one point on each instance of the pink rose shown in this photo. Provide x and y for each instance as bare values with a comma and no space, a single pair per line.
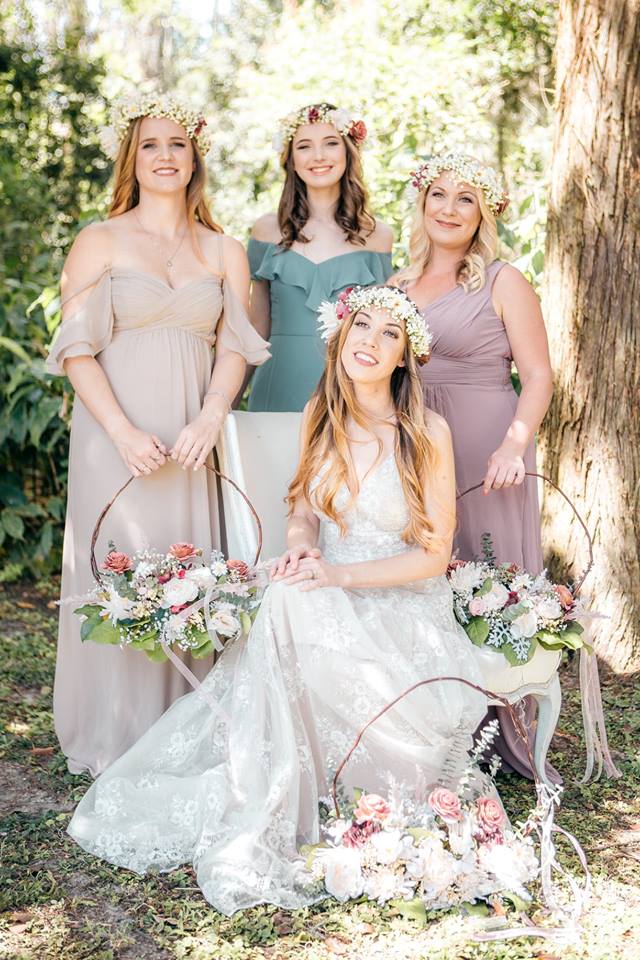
490,817
455,564
183,551
358,131
564,595
371,807
445,803
313,115
477,607
117,562
239,567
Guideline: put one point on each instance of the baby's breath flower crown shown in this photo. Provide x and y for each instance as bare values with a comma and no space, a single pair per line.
396,301
465,169
343,120
124,111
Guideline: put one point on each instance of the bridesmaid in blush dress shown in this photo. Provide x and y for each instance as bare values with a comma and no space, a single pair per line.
322,240
155,339
483,315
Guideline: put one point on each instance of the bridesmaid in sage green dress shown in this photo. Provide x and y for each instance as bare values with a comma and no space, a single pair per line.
322,240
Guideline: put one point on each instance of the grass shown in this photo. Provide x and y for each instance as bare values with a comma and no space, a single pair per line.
57,903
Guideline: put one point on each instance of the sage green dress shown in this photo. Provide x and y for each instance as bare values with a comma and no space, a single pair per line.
297,287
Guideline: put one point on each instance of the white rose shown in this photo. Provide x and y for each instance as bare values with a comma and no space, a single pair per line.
496,598
549,608
177,592
340,118
218,568
387,845
201,576
343,873
460,836
225,623
384,885
439,868
513,864
525,625
467,578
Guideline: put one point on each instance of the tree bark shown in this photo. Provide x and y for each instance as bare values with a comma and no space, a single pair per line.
591,436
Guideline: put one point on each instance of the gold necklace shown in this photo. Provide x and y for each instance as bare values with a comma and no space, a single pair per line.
159,246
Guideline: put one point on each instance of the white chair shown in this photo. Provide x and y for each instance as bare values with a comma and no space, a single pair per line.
259,451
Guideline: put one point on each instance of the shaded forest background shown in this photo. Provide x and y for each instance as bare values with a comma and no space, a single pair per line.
474,74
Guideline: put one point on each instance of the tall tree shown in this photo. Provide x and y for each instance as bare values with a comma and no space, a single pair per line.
592,432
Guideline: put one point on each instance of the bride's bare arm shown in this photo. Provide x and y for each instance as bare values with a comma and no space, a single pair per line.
416,564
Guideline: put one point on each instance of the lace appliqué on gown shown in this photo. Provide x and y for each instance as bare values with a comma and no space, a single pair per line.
237,799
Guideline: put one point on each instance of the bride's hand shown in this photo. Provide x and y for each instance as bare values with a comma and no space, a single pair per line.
290,559
314,572
196,441
141,452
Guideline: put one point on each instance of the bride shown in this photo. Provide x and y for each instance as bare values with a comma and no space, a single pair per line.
357,610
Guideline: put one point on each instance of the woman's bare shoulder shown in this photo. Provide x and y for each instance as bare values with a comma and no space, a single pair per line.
267,229
381,239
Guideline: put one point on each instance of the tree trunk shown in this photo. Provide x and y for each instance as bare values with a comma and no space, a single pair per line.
591,436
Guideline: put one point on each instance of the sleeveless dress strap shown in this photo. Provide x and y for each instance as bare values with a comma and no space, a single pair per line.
86,286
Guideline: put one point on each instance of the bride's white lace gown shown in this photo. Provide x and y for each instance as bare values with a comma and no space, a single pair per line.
237,797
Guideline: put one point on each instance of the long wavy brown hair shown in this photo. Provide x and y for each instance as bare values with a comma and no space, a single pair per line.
352,213
324,449
126,192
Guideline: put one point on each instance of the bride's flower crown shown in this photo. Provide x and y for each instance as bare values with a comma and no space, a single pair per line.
343,120
466,169
401,307
124,111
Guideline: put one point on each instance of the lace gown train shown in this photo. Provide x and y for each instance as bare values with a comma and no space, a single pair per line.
237,796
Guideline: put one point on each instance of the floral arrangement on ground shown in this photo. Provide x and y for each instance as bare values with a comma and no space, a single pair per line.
444,852
152,600
511,611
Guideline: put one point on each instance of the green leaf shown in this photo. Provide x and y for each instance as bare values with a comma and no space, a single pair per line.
485,588
157,655
245,620
519,904
477,630
475,909
12,523
87,626
205,650
104,632
512,657
537,261
412,909
15,348
574,627
89,610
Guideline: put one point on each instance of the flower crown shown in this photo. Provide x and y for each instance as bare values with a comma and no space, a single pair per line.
152,105
344,122
401,307
466,169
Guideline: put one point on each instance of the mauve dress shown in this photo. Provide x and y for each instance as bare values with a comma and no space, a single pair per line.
468,381
156,346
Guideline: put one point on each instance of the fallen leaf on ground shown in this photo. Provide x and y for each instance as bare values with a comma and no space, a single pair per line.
336,946
24,605
41,751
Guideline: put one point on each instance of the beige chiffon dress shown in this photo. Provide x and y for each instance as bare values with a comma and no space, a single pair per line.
155,344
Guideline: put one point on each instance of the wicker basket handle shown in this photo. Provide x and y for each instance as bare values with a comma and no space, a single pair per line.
583,576
105,511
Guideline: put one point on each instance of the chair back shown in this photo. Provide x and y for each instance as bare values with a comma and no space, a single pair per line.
259,451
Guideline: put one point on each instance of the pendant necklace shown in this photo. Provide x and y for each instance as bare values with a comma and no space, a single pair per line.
159,247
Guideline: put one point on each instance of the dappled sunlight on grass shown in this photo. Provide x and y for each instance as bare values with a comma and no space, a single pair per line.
57,903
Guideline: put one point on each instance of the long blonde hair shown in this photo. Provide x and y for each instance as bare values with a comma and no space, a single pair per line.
126,192
324,449
471,273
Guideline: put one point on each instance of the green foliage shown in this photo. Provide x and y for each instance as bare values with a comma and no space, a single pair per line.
51,173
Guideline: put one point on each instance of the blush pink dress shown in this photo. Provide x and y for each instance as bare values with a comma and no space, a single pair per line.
468,381
156,346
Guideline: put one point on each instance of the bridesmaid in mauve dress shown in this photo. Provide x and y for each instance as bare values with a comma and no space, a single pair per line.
483,315
147,295
321,241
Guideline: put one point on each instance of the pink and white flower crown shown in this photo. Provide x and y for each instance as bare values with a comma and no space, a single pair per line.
124,111
343,120
401,307
465,169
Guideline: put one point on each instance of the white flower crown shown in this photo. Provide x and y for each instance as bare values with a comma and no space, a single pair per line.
152,105
466,170
343,120
401,307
